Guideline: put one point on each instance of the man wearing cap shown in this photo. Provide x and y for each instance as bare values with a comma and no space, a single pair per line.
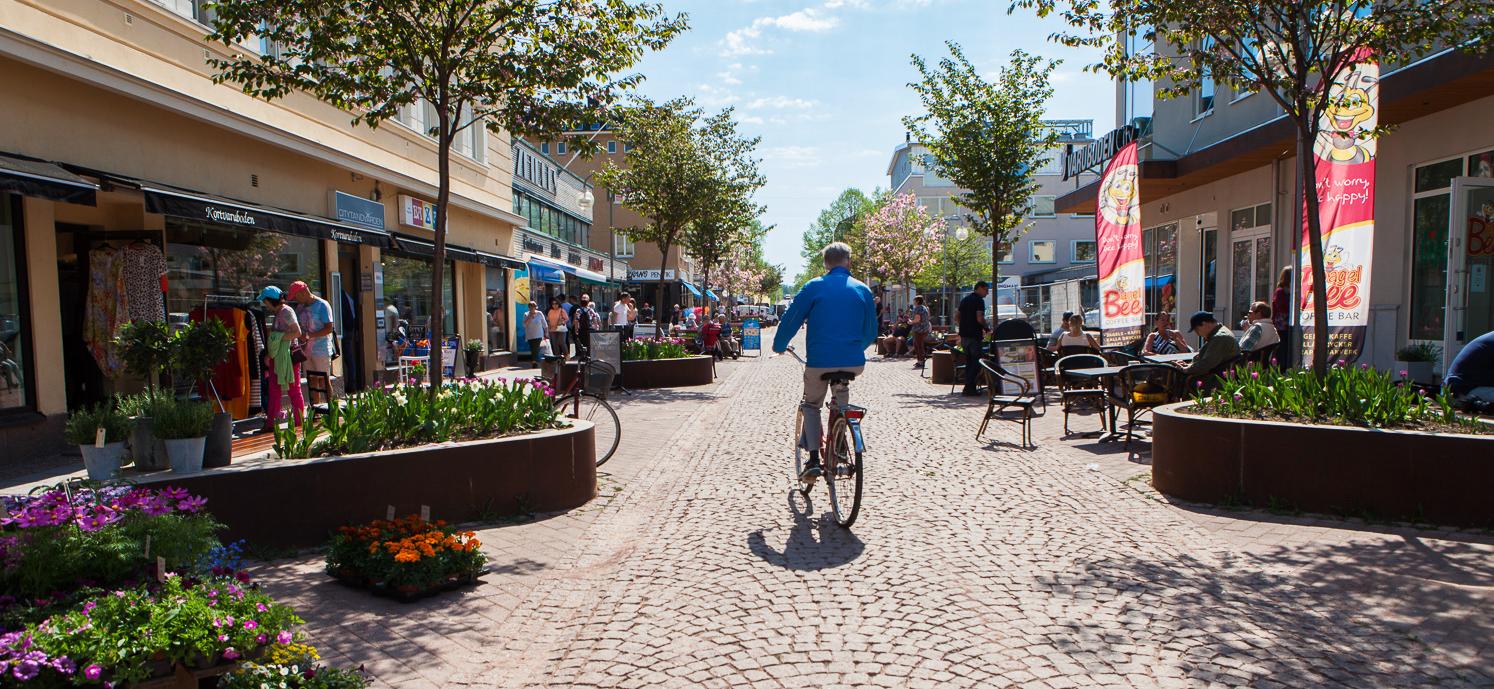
315,317
1219,349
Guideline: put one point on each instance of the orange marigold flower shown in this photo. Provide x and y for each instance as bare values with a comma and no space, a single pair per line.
407,556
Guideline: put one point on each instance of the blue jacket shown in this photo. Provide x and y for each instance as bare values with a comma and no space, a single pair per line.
842,317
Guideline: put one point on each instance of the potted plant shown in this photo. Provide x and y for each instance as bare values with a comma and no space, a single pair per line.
196,350
146,450
100,433
182,426
472,352
1419,360
145,347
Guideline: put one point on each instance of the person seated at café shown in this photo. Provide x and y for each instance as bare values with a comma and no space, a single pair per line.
1470,376
1163,339
900,334
1260,330
1220,350
710,337
1063,327
646,314
726,344
1074,340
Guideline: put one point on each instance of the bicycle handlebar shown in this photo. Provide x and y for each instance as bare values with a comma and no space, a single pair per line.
790,350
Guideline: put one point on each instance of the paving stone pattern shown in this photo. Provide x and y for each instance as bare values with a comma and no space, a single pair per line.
973,565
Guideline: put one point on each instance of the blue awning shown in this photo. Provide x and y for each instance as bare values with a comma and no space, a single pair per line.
692,289
712,296
1159,281
539,272
581,273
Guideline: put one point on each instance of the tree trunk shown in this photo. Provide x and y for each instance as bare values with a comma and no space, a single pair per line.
663,286
437,333
1307,184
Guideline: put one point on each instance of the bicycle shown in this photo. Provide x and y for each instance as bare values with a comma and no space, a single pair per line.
587,403
842,449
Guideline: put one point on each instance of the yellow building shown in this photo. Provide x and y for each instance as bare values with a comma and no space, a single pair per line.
117,148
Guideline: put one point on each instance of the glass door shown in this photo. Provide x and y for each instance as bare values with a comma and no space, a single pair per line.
1470,265
1250,274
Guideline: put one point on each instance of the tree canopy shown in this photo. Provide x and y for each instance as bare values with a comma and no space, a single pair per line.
900,239
986,137
834,224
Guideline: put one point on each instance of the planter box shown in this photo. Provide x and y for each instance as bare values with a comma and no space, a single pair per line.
658,373
941,372
1435,477
299,503
384,590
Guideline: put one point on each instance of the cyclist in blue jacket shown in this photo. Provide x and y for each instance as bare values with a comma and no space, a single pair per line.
842,322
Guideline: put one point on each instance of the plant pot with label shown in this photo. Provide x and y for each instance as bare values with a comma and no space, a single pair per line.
183,429
103,461
100,433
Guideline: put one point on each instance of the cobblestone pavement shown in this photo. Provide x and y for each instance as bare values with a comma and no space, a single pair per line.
973,565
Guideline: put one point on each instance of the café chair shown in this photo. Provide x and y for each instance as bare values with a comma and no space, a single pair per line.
997,402
1074,350
1262,355
318,392
1140,388
1080,394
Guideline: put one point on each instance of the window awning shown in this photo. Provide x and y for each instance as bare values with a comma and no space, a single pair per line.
427,248
693,289
194,206
712,296
539,272
582,273
498,260
41,179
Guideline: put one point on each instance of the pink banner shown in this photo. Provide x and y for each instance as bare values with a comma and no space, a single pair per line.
1121,268
1345,175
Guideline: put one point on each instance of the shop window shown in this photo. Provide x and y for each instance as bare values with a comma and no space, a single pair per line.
16,386
1429,264
495,285
232,263
1005,256
1438,175
622,245
1209,270
1082,251
1042,206
1042,251
1160,249
1205,91
407,294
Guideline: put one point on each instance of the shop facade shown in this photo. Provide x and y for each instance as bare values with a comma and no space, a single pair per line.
1219,230
205,196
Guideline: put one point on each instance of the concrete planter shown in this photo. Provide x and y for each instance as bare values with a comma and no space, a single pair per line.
103,463
1436,477
658,373
299,503
941,372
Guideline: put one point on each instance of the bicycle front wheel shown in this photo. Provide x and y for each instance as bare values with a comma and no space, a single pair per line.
843,473
607,427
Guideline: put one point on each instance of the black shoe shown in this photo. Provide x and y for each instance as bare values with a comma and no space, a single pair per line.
811,471
970,393
918,365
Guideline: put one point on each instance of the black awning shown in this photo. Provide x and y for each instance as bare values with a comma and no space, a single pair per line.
426,248
30,177
499,260
211,209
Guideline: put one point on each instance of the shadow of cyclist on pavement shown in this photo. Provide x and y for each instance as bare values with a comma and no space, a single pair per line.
814,543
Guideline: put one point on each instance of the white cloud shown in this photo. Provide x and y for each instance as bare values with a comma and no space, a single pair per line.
781,103
811,20
747,40
792,156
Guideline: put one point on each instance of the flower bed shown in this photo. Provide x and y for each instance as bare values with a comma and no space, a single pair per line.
1347,396
650,349
406,558
658,373
407,415
292,666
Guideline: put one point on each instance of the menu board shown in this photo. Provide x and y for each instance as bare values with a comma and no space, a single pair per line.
1019,358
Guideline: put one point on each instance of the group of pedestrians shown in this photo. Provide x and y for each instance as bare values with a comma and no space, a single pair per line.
301,340
565,324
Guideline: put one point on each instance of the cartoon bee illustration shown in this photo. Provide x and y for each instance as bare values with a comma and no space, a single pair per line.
1118,197
1333,256
1350,111
1121,283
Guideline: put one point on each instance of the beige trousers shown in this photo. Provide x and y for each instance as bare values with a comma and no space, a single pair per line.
814,400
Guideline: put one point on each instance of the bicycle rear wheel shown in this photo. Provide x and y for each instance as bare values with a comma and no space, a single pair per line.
799,454
843,473
608,428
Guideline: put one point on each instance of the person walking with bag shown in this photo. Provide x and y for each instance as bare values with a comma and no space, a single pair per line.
536,326
283,357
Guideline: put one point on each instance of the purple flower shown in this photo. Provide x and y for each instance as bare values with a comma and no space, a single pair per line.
222,638
1273,361
1403,373
1198,384
261,607
175,493
1364,367
26,669
1255,375
1239,397
261,639
64,665
230,654
284,637
250,625
194,503
93,671
156,507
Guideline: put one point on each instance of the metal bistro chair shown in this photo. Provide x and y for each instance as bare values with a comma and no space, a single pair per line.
995,375
1080,394
318,392
1140,388
1262,355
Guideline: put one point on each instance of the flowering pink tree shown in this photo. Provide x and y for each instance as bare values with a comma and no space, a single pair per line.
741,271
900,240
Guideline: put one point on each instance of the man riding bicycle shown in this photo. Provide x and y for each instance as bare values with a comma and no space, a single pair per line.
842,322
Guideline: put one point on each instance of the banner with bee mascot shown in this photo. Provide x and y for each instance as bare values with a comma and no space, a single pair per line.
1121,268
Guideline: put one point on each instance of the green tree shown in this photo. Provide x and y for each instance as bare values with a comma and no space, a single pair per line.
959,262
834,224
531,67
1285,48
683,164
987,138
726,222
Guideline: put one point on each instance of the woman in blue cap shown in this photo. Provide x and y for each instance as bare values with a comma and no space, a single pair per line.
281,367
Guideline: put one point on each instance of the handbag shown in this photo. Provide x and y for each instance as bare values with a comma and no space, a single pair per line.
298,355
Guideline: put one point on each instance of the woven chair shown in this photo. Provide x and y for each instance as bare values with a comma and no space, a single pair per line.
994,376
1080,394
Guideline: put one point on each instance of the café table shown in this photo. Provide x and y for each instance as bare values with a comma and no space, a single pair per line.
1169,358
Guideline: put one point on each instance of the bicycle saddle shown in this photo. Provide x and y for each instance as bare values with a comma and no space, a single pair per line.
838,376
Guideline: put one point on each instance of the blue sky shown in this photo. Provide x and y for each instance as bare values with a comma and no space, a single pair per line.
824,83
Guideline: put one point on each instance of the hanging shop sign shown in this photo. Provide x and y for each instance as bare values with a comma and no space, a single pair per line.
356,210
415,212
640,275
1344,157
1122,268
1079,160
195,207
